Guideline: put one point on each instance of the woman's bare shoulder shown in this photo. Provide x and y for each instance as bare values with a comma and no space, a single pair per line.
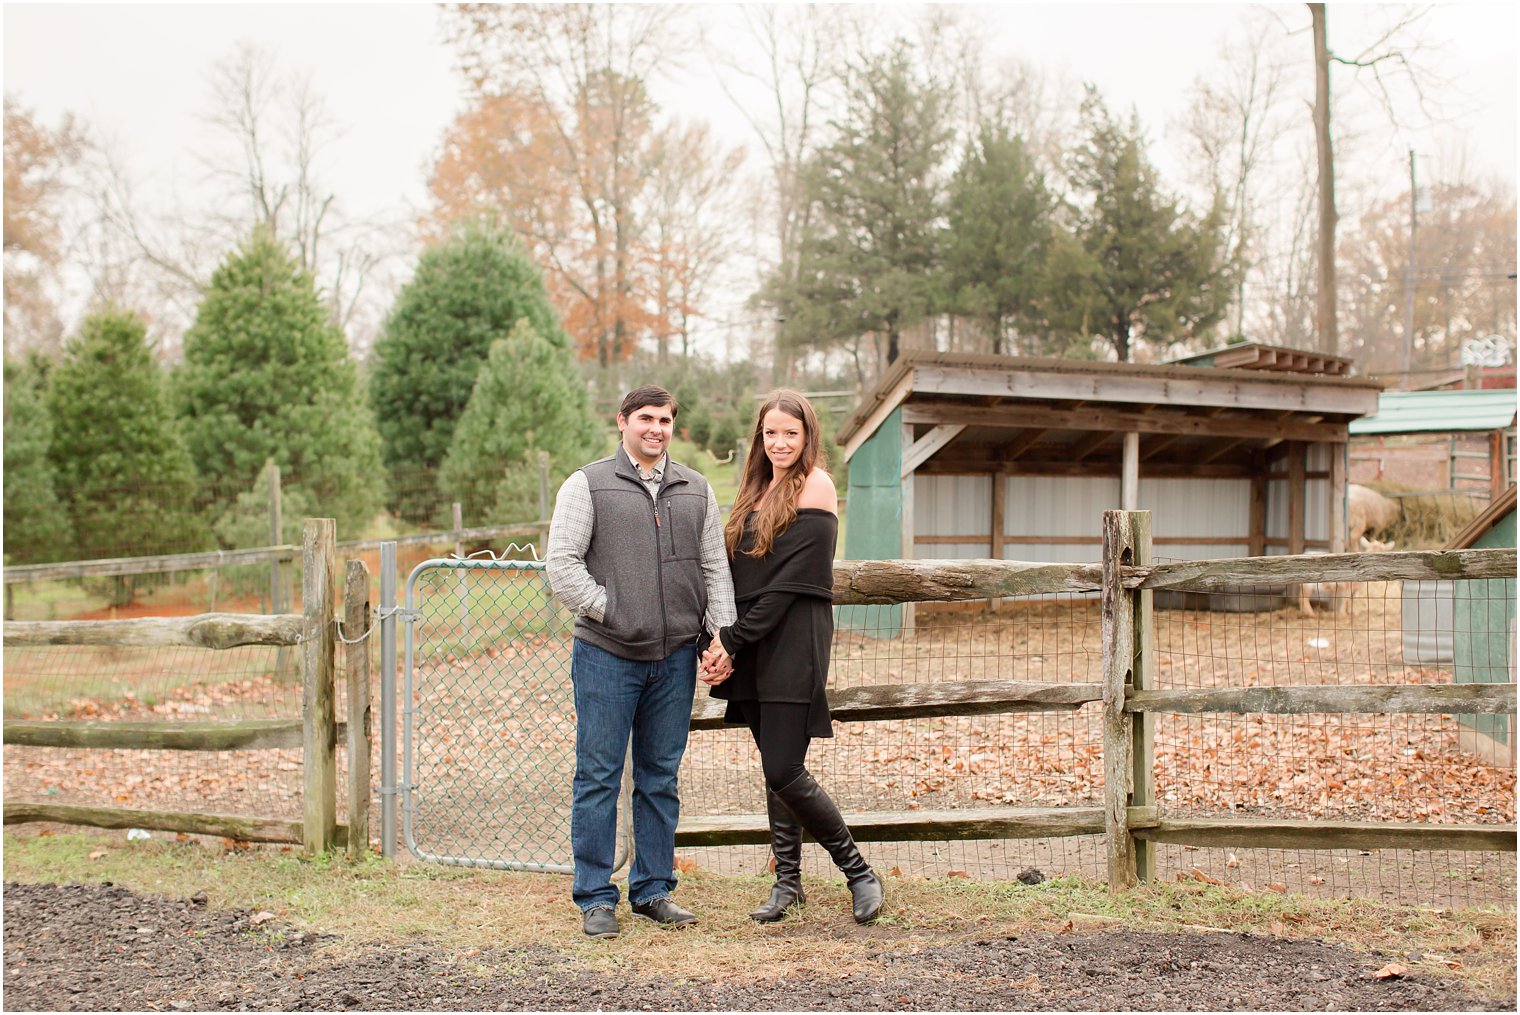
818,492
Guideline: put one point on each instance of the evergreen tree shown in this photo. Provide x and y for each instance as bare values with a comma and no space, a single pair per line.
467,293
122,470
528,398
870,259
999,230
268,375
1138,267
36,526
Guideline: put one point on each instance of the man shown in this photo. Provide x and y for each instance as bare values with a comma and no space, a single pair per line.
636,553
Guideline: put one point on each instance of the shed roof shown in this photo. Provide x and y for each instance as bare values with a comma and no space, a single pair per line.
1505,504
1425,411
980,412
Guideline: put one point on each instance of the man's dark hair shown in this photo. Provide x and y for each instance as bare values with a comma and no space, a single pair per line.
648,394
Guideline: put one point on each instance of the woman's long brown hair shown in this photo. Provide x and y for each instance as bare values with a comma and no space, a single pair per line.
778,511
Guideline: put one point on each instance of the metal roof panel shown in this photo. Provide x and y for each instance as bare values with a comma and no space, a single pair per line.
1425,411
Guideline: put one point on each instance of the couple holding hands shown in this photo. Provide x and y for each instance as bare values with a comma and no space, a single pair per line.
639,553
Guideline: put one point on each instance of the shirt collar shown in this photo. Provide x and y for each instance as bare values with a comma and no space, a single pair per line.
654,475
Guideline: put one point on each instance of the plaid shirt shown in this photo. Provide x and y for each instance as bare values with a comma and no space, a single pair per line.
570,536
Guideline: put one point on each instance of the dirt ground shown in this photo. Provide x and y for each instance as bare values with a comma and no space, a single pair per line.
101,947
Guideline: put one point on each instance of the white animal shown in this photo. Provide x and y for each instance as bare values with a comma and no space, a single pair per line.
1368,511
1338,594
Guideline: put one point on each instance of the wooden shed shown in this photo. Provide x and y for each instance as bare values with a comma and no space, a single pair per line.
969,456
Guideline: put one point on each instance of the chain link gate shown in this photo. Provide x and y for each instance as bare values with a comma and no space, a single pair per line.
488,737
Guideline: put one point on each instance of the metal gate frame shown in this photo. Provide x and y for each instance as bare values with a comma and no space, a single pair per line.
387,614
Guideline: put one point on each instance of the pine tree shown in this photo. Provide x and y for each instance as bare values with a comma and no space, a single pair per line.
1139,267
467,293
122,471
528,398
999,231
870,262
267,375
36,526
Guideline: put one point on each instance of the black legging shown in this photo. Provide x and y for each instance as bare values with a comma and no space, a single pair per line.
780,731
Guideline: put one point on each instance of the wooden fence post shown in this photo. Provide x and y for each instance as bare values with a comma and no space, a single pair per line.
1143,678
318,724
356,627
1118,635
284,663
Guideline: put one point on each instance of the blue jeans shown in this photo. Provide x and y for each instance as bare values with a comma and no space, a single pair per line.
616,697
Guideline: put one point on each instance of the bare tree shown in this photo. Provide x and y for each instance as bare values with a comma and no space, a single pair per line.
802,57
1387,61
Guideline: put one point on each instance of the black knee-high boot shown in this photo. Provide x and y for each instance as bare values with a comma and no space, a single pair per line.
817,813
786,846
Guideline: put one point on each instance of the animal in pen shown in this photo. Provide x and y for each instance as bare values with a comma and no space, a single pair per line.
1368,511
1339,595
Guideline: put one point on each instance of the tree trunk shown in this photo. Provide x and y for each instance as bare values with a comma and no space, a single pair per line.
1324,308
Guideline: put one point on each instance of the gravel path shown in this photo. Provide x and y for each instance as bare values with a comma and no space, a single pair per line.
81,947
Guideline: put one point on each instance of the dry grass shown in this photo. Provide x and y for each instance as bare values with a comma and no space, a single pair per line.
375,901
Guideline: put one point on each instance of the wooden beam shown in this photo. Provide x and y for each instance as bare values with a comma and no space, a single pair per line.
1023,442
1216,453
1118,653
903,826
925,447
1182,386
928,700
229,826
1129,474
1124,421
1051,460
1337,484
208,630
861,582
1418,565
878,415
1152,448
1322,834
319,806
1258,509
1296,505
166,735
1438,699
1143,678
999,505
1080,449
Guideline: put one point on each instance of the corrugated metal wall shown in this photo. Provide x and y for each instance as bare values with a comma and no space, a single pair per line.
873,518
1073,506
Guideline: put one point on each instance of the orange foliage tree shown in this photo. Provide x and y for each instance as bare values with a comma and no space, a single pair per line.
560,142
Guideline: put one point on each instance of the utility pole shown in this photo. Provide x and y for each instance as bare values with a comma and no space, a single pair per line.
1414,213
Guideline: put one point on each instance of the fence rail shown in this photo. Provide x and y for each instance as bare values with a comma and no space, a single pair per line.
316,733
1125,580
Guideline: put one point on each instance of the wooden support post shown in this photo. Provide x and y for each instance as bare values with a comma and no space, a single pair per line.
1143,678
1296,469
1258,541
318,723
1118,638
545,504
1496,479
1129,481
356,626
996,525
909,529
1338,497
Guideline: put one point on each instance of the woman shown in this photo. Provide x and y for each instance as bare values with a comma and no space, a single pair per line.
780,538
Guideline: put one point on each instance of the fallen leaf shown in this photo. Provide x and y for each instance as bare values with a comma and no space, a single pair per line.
1392,971
1278,887
1232,862
895,872
97,854
956,874
263,916
1199,875
1316,880
685,864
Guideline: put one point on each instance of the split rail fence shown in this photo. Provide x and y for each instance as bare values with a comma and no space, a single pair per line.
1125,581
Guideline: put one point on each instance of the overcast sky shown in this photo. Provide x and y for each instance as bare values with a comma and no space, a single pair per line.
137,74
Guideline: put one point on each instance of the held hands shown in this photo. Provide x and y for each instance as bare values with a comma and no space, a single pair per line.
716,665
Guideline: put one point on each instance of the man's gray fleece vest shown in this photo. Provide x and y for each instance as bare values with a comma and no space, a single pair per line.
647,554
